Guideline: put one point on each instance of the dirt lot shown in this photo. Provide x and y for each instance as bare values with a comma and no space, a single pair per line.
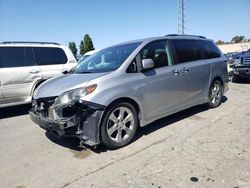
198,147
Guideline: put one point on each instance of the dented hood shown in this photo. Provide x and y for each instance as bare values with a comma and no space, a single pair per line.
58,85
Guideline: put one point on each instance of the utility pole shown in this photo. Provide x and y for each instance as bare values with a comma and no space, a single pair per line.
181,16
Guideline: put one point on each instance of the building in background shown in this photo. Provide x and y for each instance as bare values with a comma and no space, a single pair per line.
236,47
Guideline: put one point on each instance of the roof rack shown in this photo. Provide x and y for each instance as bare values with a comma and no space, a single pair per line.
25,42
182,35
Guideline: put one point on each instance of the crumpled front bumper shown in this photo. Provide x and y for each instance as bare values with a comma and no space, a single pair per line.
84,123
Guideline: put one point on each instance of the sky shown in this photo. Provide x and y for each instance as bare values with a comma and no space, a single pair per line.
110,22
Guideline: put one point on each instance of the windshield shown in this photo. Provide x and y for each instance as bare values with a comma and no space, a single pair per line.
82,58
106,60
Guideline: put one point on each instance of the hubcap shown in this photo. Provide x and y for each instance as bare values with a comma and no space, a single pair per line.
215,96
120,124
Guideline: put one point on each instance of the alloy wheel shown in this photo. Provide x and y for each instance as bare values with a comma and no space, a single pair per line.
216,93
120,124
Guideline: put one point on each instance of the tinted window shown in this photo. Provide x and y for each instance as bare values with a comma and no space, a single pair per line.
30,58
48,56
187,50
157,51
12,57
210,50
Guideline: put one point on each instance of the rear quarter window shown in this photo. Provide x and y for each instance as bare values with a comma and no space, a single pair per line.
12,57
210,50
50,56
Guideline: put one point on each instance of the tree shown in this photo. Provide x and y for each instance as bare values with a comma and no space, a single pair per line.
248,40
219,42
86,45
72,47
238,39
82,48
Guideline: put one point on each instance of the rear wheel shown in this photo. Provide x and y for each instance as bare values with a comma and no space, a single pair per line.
119,125
215,94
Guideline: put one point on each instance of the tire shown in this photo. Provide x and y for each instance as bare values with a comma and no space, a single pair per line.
215,94
119,125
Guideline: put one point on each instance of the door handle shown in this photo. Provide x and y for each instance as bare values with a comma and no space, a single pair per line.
34,71
185,70
175,72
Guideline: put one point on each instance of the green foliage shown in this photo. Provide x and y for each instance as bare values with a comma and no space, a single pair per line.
219,42
82,48
72,47
86,44
248,40
238,39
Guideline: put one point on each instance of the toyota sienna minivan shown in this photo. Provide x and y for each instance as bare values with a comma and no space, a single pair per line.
106,97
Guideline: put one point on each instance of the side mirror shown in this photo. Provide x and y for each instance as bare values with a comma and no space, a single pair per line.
147,64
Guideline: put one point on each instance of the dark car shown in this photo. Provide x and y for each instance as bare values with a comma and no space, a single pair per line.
241,67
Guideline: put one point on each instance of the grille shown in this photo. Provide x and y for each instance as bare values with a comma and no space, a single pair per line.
246,60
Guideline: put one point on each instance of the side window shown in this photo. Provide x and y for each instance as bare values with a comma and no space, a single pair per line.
187,50
30,57
157,51
210,50
50,56
12,57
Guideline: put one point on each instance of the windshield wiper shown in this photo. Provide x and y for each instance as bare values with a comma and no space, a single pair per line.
84,72
67,72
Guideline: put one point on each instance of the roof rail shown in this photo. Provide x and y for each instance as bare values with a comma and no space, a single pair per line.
182,35
25,42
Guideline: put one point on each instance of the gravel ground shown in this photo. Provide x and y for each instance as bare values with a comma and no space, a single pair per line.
198,147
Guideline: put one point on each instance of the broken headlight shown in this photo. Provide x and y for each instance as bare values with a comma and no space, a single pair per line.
73,95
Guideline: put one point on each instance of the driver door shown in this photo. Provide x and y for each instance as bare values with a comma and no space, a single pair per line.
161,88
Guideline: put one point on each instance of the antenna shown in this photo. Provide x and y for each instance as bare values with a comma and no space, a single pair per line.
181,16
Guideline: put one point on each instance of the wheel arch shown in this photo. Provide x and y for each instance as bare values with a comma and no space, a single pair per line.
128,100
38,83
219,79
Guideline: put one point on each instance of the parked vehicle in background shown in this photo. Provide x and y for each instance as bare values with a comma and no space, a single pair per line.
87,54
109,95
241,67
25,65
231,55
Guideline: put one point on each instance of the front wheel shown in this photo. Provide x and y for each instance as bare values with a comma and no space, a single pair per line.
119,125
215,94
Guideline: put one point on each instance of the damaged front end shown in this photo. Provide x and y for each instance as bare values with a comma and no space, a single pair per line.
79,118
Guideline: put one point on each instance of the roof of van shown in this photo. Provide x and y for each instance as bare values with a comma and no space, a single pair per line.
28,44
170,36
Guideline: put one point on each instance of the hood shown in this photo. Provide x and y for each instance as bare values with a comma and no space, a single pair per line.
58,85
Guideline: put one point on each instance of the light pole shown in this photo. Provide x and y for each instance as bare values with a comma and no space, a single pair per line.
181,16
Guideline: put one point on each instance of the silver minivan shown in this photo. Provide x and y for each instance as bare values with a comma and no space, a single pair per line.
106,97
25,65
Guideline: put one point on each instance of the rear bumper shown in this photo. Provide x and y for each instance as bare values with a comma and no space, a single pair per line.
84,124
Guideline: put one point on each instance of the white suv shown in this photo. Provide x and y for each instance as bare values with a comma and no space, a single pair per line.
25,65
